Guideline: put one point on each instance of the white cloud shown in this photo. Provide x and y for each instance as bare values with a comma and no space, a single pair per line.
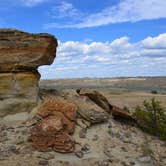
155,42
124,11
88,59
31,3
64,9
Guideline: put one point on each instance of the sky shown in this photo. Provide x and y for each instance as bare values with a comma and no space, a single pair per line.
97,38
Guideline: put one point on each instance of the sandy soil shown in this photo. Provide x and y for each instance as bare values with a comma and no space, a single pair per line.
112,143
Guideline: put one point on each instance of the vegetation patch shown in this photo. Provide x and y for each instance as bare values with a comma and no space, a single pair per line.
151,118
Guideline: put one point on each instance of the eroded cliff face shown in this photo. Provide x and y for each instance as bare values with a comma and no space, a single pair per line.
21,54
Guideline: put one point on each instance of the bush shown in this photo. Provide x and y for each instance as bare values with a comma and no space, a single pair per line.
154,92
151,117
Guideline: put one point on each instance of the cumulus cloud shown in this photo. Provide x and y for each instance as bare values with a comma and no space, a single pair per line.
158,42
124,11
120,56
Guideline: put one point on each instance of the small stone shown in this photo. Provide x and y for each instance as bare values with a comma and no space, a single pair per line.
86,148
79,154
20,140
13,149
95,137
132,163
45,156
82,133
145,159
124,149
124,163
109,124
104,163
43,163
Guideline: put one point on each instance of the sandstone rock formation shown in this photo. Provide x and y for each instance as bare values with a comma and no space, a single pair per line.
67,111
52,132
48,135
90,111
96,97
21,54
102,102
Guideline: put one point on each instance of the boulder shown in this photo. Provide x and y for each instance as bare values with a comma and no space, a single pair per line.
102,102
60,108
52,106
122,114
90,111
96,97
46,136
52,132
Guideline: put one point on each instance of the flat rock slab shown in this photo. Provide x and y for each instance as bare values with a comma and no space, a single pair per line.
21,51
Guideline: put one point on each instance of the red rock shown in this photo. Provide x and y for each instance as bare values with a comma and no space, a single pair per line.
66,110
48,135
64,143
120,113
52,132
51,106
52,124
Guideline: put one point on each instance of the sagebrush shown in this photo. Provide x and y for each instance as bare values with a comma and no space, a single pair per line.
151,117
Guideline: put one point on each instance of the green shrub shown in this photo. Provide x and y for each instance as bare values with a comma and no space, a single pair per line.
151,117
154,92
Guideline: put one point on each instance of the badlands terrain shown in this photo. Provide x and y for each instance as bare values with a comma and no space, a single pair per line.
128,92
110,143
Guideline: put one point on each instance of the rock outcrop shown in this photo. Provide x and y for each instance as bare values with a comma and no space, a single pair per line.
58,119
21,54
102,102
96,97
90,111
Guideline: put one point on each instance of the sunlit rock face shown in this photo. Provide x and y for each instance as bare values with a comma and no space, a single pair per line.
21,54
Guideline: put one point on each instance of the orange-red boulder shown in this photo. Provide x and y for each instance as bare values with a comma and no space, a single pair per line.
52,106
52,132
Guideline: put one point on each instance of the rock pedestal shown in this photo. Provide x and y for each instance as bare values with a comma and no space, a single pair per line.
21,54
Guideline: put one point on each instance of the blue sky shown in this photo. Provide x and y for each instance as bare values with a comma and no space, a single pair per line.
97,38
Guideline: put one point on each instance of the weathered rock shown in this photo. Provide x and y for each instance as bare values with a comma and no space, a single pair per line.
90,111
120,113
60,108
102,102
46,138
21,54
18,92
52,132
97,98
82,133
52,124
21,51
52,106
19,85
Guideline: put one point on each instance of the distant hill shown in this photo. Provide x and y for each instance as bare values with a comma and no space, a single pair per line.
125,83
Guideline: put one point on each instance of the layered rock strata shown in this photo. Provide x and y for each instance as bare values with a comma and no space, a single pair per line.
21,54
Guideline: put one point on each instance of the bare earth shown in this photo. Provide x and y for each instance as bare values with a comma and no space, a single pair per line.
112,143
